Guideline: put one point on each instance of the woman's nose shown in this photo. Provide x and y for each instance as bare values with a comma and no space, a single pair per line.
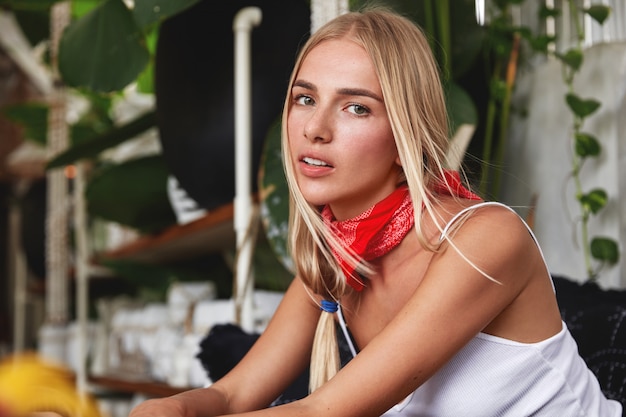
317,128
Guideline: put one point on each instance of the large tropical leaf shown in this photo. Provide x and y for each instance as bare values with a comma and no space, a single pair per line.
461,107
33,117
275,197
270,272
104,50
148,12
91,148
133,193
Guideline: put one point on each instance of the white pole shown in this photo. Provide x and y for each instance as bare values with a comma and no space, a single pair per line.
243,24
480,12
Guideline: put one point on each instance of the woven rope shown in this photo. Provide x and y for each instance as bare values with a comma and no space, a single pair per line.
324,10
57,193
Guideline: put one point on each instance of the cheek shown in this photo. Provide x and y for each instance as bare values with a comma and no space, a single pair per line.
291,133
294,123
379,143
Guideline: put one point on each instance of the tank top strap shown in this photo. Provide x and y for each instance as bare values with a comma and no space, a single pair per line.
466,210
494,203
346,333
340,317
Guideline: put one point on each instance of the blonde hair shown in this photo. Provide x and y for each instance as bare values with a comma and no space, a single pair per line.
414,99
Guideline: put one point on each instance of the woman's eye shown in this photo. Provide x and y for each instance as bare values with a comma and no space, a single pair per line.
304,100
358,109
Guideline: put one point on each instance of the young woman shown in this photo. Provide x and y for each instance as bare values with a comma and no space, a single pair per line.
446,300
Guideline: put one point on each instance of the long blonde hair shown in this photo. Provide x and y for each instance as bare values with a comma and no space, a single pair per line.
414,99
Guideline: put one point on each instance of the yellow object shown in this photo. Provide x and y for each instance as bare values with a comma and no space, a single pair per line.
29,385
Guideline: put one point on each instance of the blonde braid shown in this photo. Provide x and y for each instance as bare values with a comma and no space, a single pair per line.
325,361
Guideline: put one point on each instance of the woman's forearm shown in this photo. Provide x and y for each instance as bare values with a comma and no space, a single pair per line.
201,402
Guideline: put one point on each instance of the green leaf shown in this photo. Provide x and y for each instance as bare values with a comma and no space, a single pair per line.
605,249
82,133
91,148
598,12
461,107
274,194
145,81
98,114
572,58
133,193
152,40
500,35
104,50
594,201
524,32
269,271
148,12
498,89
33,117
581,107
540,43
545,12
82,7
587,145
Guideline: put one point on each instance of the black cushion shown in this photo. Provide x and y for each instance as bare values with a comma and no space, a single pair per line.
596,318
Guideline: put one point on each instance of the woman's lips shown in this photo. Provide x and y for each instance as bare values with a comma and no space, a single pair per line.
315,162
314,167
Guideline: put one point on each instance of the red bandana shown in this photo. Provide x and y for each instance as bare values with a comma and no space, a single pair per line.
382,227
451,185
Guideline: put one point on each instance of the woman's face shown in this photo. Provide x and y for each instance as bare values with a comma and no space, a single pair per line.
339,134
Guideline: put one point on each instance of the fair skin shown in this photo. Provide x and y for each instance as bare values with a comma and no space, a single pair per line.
407,321
338,121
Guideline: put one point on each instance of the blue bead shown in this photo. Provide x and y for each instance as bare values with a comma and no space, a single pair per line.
329,306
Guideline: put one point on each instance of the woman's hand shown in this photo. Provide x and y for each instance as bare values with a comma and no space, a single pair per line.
161,407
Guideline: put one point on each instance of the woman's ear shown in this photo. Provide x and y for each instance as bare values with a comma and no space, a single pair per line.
401,174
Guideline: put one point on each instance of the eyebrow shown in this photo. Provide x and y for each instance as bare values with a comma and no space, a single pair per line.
343,91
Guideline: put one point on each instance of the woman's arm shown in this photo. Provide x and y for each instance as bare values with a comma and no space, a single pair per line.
452,304
277,358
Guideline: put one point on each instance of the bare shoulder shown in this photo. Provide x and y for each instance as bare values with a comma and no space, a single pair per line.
453,214
492,237
486,215
495,220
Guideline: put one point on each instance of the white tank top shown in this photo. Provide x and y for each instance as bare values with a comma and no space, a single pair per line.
492,376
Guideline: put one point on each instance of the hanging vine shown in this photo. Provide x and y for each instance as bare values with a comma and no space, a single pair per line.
603,250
